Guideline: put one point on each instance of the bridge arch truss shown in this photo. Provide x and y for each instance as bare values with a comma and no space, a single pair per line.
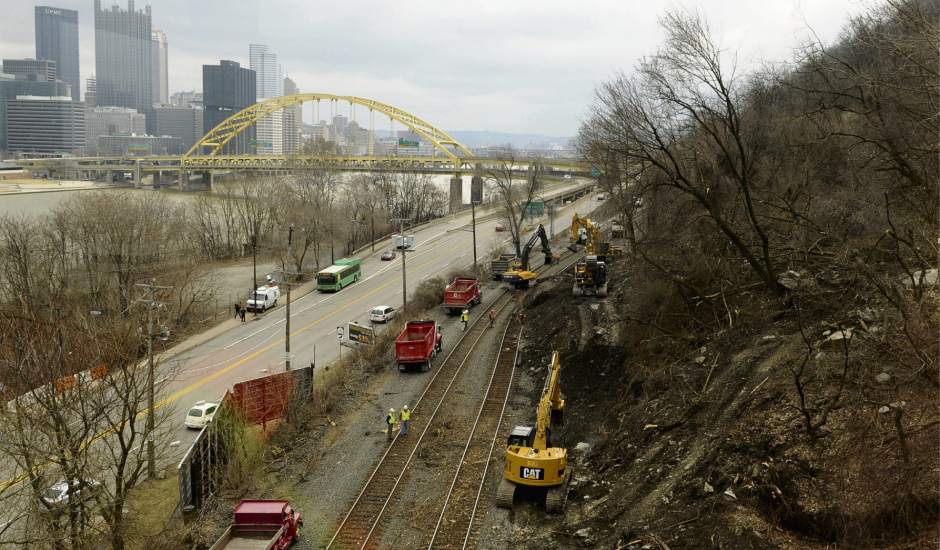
216,139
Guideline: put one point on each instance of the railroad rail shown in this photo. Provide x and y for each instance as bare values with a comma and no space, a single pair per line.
455,526
363,517
361,522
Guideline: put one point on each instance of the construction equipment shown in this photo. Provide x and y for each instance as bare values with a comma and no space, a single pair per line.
531,460
519,275
502,264
590,272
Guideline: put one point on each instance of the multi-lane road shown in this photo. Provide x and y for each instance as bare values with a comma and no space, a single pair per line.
256,348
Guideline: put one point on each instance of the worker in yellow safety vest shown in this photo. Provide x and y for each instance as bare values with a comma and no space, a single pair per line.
391,420
405,419
465,318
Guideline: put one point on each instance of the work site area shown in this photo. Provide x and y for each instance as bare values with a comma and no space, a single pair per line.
708,318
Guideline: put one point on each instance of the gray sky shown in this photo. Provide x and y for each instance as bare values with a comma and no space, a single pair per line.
527,66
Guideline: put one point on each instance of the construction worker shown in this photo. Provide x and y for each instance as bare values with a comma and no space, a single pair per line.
492,316
405,419
465,318
391,421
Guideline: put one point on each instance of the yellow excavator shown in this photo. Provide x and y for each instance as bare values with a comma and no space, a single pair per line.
519,274
590,272
532,462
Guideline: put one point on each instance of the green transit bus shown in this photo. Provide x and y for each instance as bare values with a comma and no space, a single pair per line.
344,272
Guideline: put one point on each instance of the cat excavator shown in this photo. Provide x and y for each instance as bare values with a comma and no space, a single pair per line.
590,272
519,274
531,460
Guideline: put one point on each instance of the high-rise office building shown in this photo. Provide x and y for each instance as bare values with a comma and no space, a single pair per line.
226,89
184,123
269,83
45,125
292,121
123,57
158,68
11,87
31,69
57,40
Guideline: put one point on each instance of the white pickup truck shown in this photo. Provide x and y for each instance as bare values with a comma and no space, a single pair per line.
264,297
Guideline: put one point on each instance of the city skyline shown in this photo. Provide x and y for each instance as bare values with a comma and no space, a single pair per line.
425,62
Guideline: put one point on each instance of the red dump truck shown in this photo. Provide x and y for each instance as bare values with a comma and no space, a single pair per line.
417,344
261,525
462,293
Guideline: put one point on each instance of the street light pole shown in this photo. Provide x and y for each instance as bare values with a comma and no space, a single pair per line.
473,215
290,235
404,248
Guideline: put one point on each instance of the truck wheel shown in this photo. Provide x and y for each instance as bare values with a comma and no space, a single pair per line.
262,309
427,365
274,304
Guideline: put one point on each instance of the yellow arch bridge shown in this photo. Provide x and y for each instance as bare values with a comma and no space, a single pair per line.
210,155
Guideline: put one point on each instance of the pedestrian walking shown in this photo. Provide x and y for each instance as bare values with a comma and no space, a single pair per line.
405,419
465,318
241,314
238,309
492,316
390,421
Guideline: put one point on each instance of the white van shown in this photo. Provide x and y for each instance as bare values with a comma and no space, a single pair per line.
265,297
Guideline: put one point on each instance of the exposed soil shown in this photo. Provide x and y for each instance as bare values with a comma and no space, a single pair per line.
706,453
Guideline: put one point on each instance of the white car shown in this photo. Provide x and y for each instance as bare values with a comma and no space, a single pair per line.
382,314
57,495
200,415
567,176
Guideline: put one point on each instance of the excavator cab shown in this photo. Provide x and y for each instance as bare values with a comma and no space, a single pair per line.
521,436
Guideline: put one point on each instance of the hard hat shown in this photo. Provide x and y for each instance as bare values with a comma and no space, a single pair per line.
391,410
466,311
405,408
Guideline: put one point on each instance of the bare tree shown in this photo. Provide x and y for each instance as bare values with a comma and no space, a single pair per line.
514,193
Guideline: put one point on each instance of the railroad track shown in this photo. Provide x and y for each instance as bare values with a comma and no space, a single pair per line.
358,529
359,526
456,526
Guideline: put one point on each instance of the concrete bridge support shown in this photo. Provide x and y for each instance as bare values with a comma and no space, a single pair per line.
137,175
109,176
456,193
207,178
182,179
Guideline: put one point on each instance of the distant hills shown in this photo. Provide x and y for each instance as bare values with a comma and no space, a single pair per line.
483,138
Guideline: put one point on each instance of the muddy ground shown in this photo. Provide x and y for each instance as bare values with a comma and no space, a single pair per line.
707,453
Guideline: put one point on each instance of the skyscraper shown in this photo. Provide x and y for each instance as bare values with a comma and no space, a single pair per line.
123,57
293,121
226,89
44,124
269,83
91,91
158,61
57,40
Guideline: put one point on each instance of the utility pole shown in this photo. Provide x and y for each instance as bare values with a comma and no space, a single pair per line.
150,288
476,195
404,243
286,276
254,262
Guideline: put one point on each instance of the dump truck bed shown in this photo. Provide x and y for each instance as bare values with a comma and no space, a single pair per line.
416,342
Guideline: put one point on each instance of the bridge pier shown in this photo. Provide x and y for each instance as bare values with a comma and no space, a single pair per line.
207,178
182,179
109,176
137,175
456,193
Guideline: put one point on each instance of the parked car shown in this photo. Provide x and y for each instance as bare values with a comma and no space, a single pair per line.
388,255
567,176
500,227
57,495
382,314
200,415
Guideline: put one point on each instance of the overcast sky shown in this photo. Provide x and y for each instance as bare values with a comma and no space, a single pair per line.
525,66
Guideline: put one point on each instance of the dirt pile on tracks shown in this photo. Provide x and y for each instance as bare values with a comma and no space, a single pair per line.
701,440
